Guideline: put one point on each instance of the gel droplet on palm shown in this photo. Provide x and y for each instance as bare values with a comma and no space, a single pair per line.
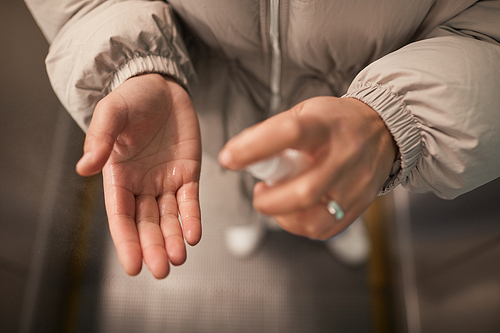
288,164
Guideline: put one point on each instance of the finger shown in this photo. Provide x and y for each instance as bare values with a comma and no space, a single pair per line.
300,192
120,207
271,136
171,229
337,172
108,121
152,243
315,222
189,209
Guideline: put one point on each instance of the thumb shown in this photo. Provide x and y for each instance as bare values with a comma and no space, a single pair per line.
108,121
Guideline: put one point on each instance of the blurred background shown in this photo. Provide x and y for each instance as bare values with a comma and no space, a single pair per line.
435,264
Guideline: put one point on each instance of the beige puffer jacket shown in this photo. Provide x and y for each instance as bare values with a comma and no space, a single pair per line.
430,68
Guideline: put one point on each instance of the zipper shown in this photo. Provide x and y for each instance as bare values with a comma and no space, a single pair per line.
275,75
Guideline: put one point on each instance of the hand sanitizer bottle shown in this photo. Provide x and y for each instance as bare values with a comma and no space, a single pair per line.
285,165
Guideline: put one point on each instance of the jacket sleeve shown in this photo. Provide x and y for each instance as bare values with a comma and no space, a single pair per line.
440,98
96,45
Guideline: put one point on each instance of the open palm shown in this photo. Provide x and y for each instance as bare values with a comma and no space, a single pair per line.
145,138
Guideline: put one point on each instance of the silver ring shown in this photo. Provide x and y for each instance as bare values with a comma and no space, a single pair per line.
335,209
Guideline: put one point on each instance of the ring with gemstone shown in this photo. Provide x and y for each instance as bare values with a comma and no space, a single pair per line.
335,209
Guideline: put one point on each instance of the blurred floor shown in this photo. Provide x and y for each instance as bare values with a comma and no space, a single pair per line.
31,158
456,247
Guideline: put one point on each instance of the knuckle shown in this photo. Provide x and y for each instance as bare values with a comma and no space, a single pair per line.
290,224
261,206
292,129
307,195
104,104
313,231
353,150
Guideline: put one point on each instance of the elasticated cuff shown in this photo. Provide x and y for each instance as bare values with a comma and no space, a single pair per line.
400,122
148,64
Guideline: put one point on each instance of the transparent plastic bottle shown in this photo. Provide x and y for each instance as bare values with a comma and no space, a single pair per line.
285,165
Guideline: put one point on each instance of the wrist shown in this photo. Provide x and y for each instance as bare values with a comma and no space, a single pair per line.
387,146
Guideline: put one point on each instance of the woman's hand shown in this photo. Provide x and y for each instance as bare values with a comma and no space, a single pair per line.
145,138
351,153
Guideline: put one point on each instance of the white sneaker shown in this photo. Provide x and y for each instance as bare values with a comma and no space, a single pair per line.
352,246
242,241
